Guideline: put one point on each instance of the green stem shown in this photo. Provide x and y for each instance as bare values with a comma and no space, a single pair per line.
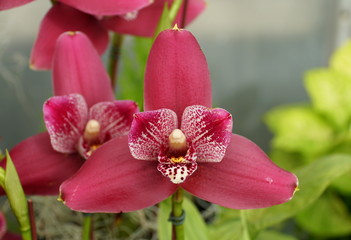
115,52
246,233
87,227
177,211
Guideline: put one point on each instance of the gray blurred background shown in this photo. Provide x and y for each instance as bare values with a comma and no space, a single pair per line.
257,51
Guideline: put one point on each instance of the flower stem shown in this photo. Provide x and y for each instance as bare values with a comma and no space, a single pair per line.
185,9
177,216
32,219
87,227
115,51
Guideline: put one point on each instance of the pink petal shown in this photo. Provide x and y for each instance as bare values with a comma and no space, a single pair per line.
177,74
107,7
8,4
40,168
149,133
114,117
61,18
145,23
111,180
208,130
65,118
245,178
77,68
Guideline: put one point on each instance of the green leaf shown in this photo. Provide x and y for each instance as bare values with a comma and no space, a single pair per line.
342,184
314,179
299,129
194,225
10,182
164,22
341,59
327,217
330,94
273,235
131,80
168,16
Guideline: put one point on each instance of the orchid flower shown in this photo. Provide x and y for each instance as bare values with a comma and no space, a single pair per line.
94,7
81,117
179,142
67,15
144,22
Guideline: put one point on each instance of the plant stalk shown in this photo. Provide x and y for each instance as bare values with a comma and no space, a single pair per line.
177,212
87,227
115,51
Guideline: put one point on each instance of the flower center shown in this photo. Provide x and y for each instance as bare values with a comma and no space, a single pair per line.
90,140
178,162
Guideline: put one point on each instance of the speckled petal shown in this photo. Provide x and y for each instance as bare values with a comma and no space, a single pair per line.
208,131
149,133
245,178
112,180
176,74
59,19
65,118
107,7
114,117
40,168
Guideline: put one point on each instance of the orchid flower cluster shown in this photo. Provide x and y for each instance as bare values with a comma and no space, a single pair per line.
100,154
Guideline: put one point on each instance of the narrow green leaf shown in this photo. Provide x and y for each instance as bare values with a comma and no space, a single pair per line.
314,179
175,9
299,129
164,22
133,62
330,94
327,217
16,197
194,225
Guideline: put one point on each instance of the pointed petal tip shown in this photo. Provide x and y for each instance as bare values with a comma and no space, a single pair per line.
248,179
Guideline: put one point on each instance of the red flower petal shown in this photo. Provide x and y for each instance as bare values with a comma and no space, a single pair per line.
111,180
77,68
40,168
145,23
8,4
209,131
114,117
107,7
59,19
149,133
177,74
245,178
65,118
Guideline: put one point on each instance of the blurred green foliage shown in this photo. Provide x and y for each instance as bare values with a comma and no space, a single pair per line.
306,133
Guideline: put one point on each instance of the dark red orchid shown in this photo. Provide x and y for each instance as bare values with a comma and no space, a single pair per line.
79,120
73,15
144,22
180,141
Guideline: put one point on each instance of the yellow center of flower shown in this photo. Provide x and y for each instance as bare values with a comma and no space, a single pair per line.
177,159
